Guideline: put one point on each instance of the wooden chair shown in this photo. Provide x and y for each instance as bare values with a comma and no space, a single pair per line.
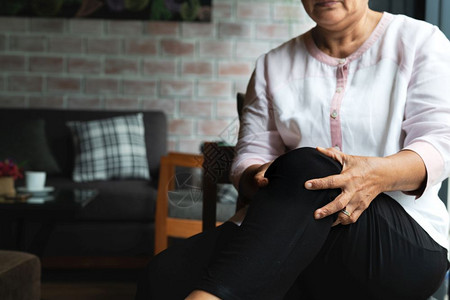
218,158
216,163
166,226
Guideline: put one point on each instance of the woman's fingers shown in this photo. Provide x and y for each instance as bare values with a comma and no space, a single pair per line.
333,153
333,207
329,182
333,181
350,218
359,186
259,176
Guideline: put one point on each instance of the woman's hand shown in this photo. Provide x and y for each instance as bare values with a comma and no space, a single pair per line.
253,179
363,178
259,178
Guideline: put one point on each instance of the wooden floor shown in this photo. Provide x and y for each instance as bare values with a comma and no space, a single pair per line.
89,285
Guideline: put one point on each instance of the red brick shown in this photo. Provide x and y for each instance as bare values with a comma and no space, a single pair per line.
159,67
84,102
226,109
121,66
122,103
125,27
162,28
172,145
250,11
47,101
12,101
211,127
84,65
283,12
182,127
46,64
179,48
12,63
68,84
139,87
102,86
176,88
197,30
190,145
234,69
227,30
66,44
251,49
47,25
13,24
103,46
25,83
27,43
141,46
166,105
222,10
85,26
215,49
272,31
201,68
214,88
196,108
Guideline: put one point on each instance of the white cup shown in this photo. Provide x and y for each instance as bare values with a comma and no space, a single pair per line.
35,181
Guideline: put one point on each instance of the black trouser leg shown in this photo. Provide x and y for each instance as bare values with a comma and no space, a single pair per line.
173,273
279,237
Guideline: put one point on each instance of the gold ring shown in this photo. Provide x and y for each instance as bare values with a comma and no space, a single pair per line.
345,212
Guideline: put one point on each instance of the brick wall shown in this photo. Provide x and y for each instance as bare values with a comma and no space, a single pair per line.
192,71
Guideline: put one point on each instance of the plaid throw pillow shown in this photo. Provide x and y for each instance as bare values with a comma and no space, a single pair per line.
110,148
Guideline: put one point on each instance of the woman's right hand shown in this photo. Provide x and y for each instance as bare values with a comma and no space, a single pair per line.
259,178
253,179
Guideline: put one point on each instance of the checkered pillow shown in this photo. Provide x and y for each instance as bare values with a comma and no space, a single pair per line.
110,148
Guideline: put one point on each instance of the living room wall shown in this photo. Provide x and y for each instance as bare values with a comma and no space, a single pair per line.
192,71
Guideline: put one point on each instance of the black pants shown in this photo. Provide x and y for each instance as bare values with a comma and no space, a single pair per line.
281,252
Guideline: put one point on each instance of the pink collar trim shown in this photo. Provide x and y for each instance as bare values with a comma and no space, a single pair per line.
333,61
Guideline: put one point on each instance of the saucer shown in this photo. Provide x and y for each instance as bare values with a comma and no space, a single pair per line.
47,189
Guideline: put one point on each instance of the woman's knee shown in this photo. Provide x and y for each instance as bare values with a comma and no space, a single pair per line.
304,162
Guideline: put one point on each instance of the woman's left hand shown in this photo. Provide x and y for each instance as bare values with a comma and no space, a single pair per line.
359,181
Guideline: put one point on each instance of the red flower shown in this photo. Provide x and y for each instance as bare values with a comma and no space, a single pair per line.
9,168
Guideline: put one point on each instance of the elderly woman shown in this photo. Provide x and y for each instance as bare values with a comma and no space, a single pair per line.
344,142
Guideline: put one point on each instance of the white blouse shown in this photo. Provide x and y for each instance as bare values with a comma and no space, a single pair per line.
393,93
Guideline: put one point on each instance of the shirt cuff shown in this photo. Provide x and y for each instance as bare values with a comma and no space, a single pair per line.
432,159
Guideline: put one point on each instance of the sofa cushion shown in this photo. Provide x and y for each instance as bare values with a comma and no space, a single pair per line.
110,148
26,142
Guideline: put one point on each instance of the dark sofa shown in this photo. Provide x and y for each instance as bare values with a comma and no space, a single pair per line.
120,221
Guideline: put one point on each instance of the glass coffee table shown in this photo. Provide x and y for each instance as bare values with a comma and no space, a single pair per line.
44,208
